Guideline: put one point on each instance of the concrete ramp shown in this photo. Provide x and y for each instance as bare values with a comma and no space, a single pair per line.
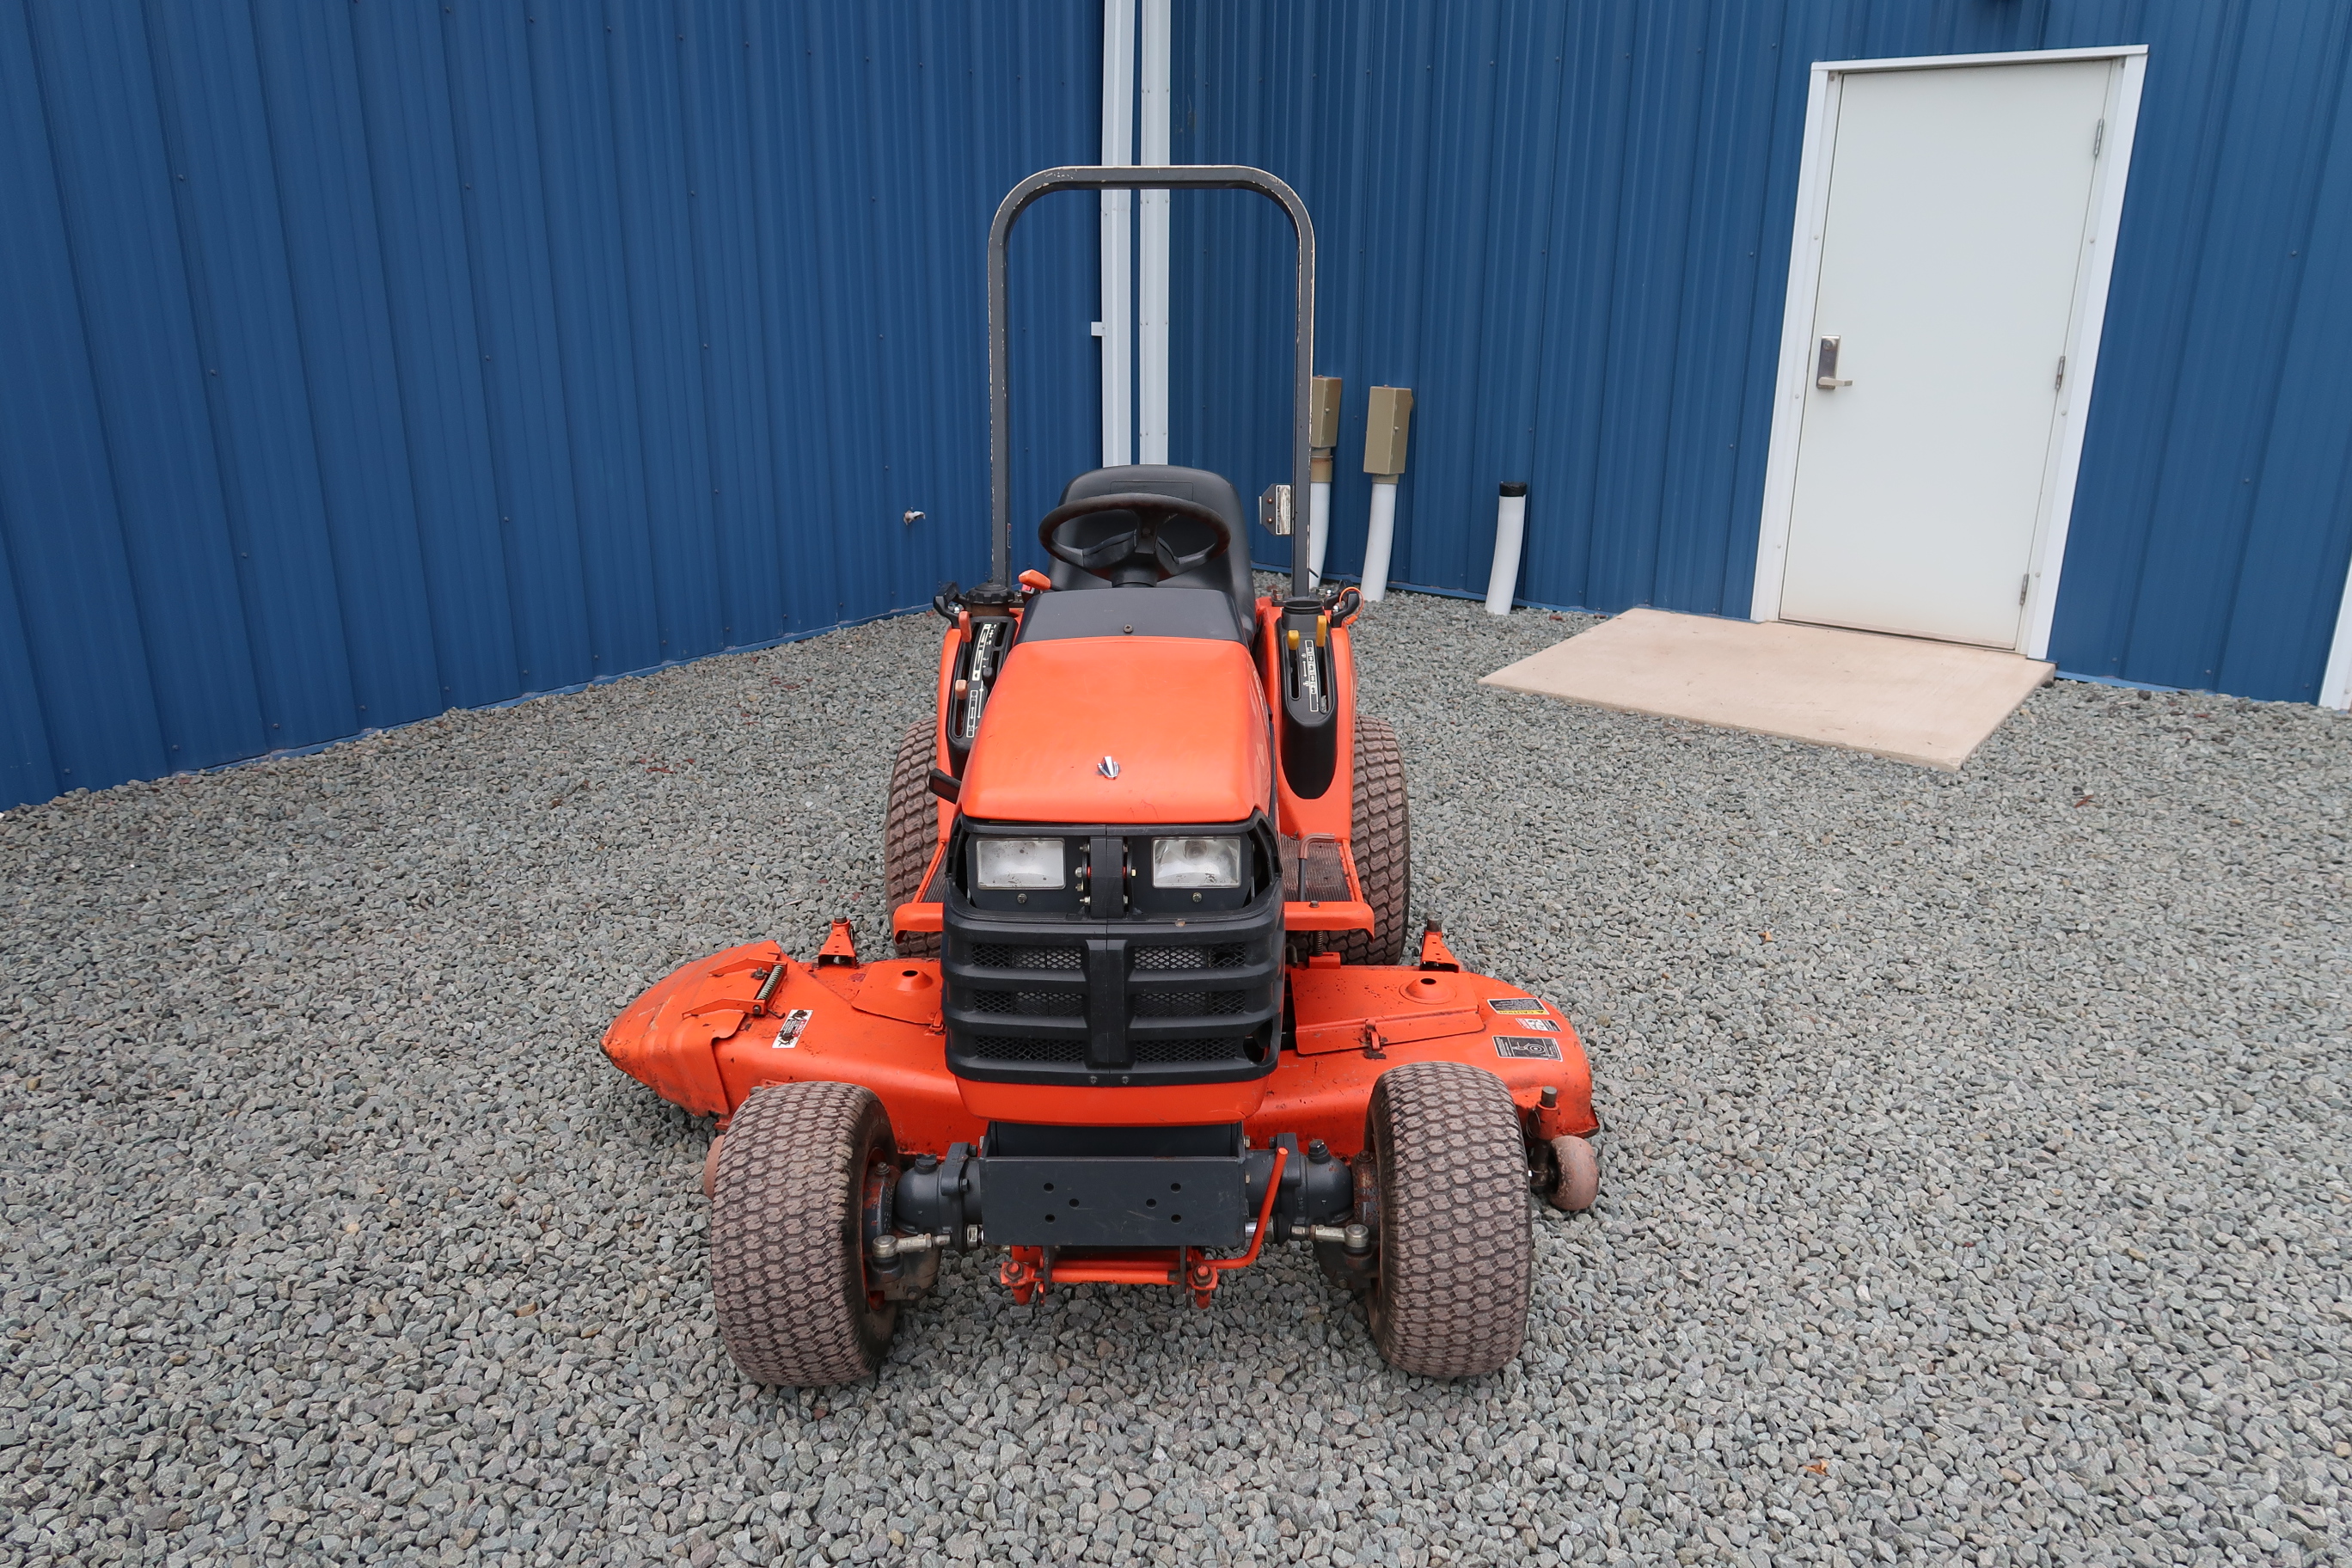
1931,703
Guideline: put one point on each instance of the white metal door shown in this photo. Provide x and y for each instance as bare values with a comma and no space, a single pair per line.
1959,208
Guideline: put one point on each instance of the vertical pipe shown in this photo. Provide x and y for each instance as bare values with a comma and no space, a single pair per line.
1318,527
1510,530
1322,441
1117,152
1388,424
1378,536
1151,257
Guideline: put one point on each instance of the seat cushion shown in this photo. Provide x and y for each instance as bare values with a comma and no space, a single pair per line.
1229,574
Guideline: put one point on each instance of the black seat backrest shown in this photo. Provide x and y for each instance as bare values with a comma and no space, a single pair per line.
1229,574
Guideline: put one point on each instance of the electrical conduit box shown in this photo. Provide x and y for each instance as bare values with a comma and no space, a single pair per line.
1323,414
1388,416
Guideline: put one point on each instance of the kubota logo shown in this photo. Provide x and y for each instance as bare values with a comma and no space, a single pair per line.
1108,767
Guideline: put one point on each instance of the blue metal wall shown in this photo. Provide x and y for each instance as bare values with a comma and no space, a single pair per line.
364,360
1566,226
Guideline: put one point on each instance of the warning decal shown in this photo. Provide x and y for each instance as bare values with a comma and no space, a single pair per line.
1545,1025
1516,1007
1539,1050
788,1032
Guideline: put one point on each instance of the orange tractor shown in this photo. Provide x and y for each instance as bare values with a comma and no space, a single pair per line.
1155,1007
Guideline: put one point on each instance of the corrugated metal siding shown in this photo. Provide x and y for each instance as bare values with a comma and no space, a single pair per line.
369,360
2189,495
1567,228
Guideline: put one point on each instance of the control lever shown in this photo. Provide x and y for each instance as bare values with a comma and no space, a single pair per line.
988,611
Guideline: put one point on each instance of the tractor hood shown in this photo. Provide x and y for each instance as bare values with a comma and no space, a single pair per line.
1181,720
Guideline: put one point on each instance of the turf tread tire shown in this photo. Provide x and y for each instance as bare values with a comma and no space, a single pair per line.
910,831
1382,832
1457,1246
787,1217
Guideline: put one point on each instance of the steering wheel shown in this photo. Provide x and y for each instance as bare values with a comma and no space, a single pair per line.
1137,554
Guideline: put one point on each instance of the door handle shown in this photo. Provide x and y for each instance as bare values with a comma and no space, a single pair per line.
1825,375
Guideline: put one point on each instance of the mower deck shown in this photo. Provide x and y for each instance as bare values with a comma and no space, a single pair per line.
715,1030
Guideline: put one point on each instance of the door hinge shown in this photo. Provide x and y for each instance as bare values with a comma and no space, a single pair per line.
2022,584
2099,137
2062,373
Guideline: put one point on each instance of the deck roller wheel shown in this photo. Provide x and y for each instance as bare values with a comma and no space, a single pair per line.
910,831
1382,838
1577,1181
1457,1245
788,1213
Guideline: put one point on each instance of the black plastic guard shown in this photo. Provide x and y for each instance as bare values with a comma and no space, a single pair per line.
1311,700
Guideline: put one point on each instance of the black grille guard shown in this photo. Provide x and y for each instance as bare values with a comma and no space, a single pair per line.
1078,1025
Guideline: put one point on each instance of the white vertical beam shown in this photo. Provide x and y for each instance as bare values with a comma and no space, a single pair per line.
1117,152
2084,329
2335,681
1821,102
1151,259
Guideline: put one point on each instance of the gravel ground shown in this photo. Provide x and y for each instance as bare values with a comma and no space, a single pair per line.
1972,1184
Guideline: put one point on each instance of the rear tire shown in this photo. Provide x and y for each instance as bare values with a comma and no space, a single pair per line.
1383,842
787,1235
1456,1247
911,832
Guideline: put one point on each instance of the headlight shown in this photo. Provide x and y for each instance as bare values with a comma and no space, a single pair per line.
1017,862
1196,862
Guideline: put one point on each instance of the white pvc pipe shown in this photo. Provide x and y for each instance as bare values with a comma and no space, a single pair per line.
1378,537
1510,531
1318,529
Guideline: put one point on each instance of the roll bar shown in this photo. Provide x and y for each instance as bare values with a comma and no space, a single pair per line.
1170,177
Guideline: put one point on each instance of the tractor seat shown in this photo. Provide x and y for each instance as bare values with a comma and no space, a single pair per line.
1228,574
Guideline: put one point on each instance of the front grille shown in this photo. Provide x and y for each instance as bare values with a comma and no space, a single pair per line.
1023,1048
1016,955
1222,955
1055,997
1189,1004
1224,1049
1031,1004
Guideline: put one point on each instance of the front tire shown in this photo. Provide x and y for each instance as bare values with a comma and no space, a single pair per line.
787,1235
1456,1247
